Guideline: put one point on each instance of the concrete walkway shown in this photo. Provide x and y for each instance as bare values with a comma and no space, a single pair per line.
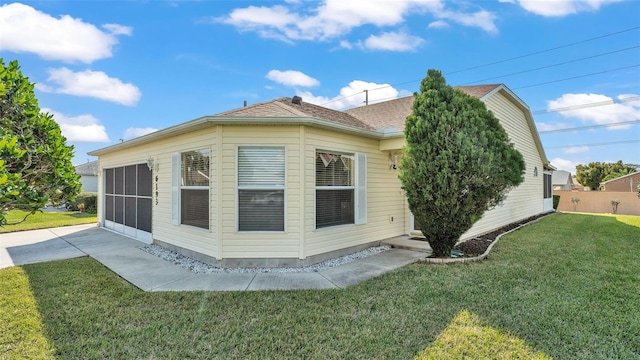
150,273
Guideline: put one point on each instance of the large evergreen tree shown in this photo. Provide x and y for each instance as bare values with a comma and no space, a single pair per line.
35,161
457,163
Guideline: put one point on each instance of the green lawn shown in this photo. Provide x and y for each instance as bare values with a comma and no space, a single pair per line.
43,220
566,287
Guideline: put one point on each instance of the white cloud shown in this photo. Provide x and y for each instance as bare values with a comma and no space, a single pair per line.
117,29
562,164
81,128
25,29
89,83
292,78
133,132
576,149
559,8
345,44
335,18
550,126
352,95
605,114
392,41
438,24
482,19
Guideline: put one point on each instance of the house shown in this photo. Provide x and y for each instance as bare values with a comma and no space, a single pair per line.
288,183
88,176
562,180
625,183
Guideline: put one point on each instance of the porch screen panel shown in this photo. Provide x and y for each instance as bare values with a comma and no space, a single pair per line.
119,181
130,211
144,214
108,208
261,183
130,180
145,181
108,180
119,209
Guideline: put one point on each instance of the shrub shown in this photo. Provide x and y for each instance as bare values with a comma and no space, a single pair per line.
614,205
556,201
89,199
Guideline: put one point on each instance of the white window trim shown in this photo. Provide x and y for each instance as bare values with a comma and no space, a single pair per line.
177,187
251,187
358,202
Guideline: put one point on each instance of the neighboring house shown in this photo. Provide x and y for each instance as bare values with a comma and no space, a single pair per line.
625,183
88,176
288,183
562,180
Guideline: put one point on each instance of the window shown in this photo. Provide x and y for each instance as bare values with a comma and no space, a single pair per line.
261,185
340,189
191,181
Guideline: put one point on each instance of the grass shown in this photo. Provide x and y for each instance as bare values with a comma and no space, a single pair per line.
566,287
43,220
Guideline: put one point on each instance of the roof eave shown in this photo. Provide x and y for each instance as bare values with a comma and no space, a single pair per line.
209,121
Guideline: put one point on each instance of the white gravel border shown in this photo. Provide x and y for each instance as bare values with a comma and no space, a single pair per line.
196,266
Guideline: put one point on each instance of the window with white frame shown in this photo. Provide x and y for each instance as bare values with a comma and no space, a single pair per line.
261,188
191,182
340,189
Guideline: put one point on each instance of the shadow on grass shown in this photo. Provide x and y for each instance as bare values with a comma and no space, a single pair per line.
566,286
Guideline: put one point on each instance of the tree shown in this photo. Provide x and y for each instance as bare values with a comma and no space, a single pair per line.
35,162
457,164
594,173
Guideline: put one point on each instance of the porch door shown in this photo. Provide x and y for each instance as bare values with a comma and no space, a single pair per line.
127,201
414,229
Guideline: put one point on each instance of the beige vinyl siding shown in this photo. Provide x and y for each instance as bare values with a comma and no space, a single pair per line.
384,196
527,199
199,240
261,244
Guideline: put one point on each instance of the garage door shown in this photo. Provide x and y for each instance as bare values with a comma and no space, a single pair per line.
127,201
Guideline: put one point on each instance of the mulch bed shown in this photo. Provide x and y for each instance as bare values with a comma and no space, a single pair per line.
478,245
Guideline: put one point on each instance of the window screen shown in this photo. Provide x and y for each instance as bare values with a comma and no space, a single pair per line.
261,182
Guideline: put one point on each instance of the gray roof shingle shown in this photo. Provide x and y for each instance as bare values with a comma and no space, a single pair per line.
393,113
88,169
283,107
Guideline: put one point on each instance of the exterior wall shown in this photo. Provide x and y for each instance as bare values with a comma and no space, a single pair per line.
527,199
249,245
187,237
89,183
624,184
385,198
599,202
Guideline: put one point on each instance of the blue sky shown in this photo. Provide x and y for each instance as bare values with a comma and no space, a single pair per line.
111,70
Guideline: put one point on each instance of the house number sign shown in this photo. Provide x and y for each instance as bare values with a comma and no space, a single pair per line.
156,189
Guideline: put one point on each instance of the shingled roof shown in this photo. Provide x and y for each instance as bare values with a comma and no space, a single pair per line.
392,113
284,107
89,168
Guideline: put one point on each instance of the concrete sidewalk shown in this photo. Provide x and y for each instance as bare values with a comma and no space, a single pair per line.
150,273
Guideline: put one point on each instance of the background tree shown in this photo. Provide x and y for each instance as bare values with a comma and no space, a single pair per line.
594,173
457,163
35,162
